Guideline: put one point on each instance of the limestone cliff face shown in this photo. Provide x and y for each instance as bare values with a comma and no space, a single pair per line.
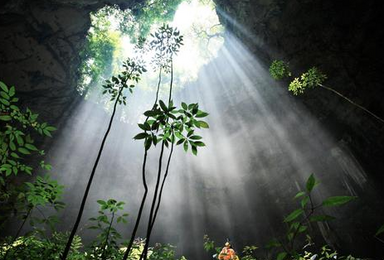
39,54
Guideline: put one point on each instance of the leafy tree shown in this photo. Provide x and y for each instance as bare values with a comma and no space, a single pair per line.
115,88
106,243
103,44
308,80
165,124
100,49
146,14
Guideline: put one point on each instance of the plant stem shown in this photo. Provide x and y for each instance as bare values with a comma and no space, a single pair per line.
149,228
85,196
137,223
352,102
171,83
162,186
153,214
301,222
103,256
22,225
133,235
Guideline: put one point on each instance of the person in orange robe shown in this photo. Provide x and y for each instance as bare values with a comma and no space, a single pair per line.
227,253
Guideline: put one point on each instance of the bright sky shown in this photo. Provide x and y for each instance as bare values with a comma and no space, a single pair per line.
194,20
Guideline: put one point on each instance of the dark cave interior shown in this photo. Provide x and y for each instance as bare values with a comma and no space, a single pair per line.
265,142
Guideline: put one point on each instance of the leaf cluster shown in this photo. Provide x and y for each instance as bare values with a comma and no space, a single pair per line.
42,193
116,85
166,42
279,70
310,79
171,125
34,248
15,138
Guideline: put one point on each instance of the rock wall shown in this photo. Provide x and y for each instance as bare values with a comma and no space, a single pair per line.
344,39
40,45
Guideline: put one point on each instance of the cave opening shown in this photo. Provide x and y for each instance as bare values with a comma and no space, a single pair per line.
216,109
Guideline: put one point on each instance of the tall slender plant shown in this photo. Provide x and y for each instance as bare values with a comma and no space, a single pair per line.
166,125
115,87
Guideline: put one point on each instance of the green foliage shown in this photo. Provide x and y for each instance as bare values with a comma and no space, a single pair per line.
326,253
166,42
43,192
99,51
106,242
306,213
116,85
279,70
148,14
35,248
171,125
310,79
209,245
17,146
160,252
249,253
15,138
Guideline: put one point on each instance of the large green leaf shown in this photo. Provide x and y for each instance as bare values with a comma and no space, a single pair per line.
311,182
140,136
203,124
300,194
5,118
23,150
3,86
294,215
337,200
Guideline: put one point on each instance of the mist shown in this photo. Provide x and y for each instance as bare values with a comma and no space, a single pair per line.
261,147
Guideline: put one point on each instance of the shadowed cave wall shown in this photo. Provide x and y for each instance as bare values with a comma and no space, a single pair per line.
40,42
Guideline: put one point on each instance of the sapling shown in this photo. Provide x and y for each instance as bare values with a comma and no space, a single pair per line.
167,125
115,88
299,219
310,79
106,242
166,122
165,42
